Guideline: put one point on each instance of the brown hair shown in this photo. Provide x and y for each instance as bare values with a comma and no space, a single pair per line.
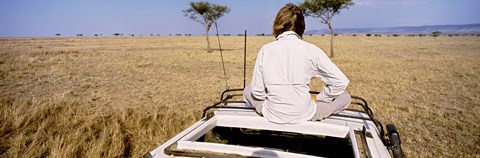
289,18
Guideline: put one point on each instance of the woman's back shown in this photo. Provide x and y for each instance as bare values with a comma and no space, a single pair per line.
286,69
287,61
279,88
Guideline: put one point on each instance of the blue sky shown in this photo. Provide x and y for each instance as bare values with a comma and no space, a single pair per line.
41,18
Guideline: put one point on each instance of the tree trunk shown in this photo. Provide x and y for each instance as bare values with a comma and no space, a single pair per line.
208,41
332,54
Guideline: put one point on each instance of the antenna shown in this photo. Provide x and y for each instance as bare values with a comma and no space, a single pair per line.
221,55
245,60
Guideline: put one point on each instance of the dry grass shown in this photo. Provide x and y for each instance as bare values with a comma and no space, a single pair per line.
121,97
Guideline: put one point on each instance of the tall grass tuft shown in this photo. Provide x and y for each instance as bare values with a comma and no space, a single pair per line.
59,127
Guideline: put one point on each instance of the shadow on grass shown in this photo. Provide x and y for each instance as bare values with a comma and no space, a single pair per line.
224,50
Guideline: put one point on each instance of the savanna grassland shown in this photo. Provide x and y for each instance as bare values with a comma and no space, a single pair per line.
122,97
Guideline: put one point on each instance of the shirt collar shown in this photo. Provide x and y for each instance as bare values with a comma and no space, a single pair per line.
287,34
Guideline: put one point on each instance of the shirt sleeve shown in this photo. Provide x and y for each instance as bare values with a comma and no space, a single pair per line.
335,81
258,86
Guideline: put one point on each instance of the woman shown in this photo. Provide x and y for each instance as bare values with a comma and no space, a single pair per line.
279,90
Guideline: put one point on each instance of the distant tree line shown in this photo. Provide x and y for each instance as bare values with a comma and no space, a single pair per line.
432,34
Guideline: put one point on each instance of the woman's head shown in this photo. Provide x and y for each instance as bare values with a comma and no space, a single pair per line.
289,18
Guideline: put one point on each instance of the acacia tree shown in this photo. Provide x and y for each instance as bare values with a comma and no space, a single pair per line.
325,10
436,33
205,13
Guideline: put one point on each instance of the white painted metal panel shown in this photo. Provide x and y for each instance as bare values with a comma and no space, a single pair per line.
240,150
354,144
254,122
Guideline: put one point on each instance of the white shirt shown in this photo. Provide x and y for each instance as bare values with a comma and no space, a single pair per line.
282,72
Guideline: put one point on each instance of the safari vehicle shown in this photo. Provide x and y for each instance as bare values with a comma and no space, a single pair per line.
234,129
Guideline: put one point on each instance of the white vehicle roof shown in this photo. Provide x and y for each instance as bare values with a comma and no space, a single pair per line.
355,127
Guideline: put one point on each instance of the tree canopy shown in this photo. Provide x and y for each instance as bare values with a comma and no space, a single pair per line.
325,10
205,13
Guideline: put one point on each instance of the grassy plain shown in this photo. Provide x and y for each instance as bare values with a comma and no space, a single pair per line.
122,97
